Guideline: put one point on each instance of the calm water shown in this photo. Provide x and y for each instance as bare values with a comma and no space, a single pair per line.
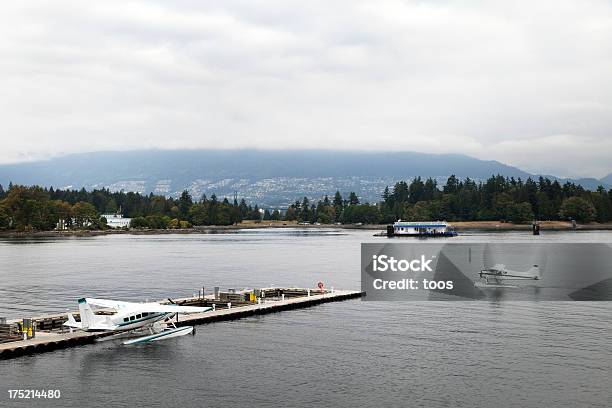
342,354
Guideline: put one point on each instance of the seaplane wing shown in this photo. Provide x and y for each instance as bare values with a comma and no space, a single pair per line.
159,308
145,307
111,304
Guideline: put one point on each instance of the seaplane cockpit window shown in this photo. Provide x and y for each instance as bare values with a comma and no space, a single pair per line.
132,317
138,316
126,319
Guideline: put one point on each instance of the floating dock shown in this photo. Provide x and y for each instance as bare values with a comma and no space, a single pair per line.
50,334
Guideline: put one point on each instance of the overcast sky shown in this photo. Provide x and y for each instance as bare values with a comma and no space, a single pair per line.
526,83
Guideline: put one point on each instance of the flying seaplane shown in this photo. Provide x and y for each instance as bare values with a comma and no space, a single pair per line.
131,318
498,275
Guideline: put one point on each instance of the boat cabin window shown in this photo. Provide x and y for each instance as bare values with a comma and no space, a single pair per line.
138,316
126,319
132,317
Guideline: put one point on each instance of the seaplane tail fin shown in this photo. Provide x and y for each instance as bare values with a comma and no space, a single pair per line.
88,318
534,272
87,315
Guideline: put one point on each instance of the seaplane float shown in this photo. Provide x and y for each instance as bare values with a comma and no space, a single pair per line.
501,277
150,321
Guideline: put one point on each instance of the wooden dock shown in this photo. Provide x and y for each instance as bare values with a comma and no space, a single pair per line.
51,335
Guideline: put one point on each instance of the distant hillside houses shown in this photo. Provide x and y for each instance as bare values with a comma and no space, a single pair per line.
270,178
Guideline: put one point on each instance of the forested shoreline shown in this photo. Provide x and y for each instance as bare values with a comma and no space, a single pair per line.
34,208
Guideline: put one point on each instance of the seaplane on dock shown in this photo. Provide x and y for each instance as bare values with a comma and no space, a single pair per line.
153,321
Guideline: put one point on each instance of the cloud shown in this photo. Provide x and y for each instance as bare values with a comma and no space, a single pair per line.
528,85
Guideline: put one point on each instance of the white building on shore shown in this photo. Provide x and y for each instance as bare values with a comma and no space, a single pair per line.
116,220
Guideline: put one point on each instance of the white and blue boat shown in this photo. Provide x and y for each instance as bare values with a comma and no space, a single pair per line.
420,229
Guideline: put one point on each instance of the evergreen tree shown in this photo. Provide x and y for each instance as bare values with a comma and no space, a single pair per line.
267,216
185,202
386,195
255,214
577,208
305,210
451,185
416,190
603,205
243,210
338,206
337,199
400,192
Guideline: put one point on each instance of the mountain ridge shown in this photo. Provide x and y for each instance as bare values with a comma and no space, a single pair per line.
267,175
607,179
